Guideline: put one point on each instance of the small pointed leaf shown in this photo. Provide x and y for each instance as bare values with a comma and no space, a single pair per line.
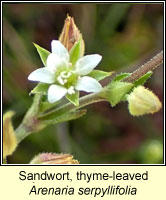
66,117
99,75
45,105
43,53
121,76
143,79
115,91
41,88
75,52
73,98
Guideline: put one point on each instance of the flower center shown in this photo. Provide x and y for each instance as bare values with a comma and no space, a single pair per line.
63,77
68,79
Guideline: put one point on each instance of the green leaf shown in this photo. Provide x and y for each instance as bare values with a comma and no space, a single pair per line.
41,88
75,52
99,75
66,117
42,52
121,76
46,105
115,91
73,98
143,79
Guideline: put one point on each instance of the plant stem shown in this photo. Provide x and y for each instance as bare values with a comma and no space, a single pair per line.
32,122
69,107
93,98
151,65
22,132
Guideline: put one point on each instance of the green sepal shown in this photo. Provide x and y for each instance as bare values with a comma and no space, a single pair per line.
43,53
115,91
121,76
143,79
99,75
75,52
73,98
66,117
41,88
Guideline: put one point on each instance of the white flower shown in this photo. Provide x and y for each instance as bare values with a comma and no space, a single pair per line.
65,79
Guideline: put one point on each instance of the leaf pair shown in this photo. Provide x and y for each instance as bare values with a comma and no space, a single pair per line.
117,90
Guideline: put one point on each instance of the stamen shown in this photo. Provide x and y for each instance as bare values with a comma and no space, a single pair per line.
60,80
65,74
65,80
71,90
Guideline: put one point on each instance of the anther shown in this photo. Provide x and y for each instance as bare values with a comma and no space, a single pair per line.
60,80
71,90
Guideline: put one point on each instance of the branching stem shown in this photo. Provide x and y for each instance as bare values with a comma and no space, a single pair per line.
26,127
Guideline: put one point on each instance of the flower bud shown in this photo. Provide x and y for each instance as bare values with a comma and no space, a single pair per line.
53,158
71,34
143,101
9,138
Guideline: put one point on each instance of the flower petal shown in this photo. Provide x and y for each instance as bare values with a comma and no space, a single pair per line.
54,62
58,48
55,93
87,63
88,84
42,75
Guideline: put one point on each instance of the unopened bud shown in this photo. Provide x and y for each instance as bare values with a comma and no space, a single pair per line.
9,138
71,34
143,101
53,158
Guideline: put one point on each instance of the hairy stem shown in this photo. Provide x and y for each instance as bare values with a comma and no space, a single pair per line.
151,65
93,98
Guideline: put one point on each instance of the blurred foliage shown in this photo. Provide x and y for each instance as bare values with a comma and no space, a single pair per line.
126,35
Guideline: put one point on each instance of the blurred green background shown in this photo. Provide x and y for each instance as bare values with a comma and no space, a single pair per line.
126,35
